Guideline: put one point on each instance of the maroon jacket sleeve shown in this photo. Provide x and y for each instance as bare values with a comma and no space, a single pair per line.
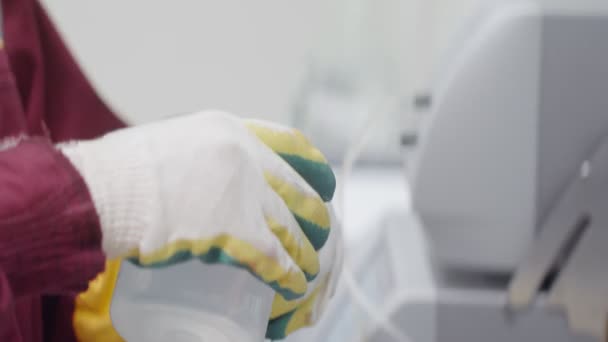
49,233
50,238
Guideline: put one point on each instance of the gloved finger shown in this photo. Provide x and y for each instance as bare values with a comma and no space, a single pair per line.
263,256
306,205
299,153
330,257
304,315
283,224
308,209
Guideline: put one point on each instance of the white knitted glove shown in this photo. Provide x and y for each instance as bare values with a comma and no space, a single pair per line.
207,185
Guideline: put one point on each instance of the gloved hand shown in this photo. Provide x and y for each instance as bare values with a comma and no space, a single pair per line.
208,186
290,315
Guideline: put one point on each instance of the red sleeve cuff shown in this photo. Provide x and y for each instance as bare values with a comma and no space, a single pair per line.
50,237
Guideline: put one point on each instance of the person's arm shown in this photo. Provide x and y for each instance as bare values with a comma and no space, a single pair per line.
50,239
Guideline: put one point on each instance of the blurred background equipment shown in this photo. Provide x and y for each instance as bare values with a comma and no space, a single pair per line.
495,248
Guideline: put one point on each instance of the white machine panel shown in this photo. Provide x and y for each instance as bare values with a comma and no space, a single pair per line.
524,105
474,176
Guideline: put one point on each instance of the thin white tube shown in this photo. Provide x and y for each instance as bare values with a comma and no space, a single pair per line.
381,106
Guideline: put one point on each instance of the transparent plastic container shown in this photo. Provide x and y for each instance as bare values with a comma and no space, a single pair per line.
190,302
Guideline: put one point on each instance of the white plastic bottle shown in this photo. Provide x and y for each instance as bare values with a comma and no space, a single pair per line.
190,302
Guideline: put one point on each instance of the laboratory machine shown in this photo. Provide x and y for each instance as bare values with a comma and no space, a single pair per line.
506,238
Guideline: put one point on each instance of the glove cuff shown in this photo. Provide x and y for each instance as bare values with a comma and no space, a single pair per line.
121,180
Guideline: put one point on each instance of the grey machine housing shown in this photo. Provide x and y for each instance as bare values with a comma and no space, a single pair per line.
522,107
512,162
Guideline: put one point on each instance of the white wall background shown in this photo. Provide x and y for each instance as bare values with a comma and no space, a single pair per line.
154,58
